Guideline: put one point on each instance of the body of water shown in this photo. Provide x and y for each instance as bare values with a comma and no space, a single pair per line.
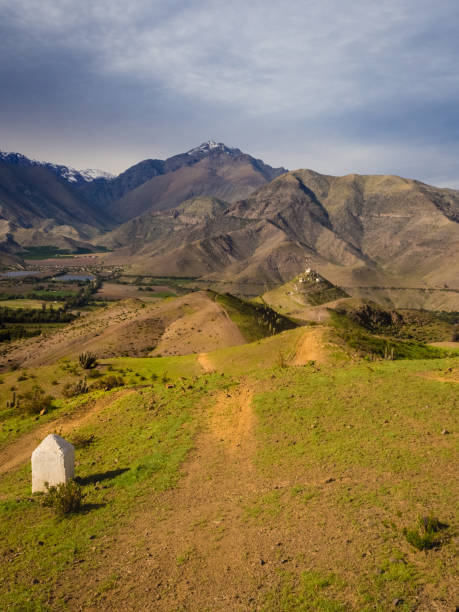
75,277
18,273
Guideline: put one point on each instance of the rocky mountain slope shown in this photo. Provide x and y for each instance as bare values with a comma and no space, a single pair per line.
39,205
382,231
212,169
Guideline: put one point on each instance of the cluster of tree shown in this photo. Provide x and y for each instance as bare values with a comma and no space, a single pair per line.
272,320
33,315
16,332
375,319
13,321
84,295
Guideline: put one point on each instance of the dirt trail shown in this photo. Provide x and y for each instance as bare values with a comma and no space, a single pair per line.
205,362
20,451
311,347
191,548
232,418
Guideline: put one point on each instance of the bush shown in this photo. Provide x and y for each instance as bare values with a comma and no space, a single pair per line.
81,440
77,389
64,498
34,402
109,382
87,360
94,374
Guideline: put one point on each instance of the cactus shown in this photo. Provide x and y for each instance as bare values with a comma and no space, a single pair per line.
88,360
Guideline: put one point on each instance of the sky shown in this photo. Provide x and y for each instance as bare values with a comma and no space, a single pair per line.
339,86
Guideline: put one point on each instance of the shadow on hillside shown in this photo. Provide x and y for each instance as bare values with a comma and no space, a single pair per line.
94,478
85,508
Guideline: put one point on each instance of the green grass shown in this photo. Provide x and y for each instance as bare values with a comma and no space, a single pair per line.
312,591
348,455
137,446
365,443
325,402
257,358
135,371
133,368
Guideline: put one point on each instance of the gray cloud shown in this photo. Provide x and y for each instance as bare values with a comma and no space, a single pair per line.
327,84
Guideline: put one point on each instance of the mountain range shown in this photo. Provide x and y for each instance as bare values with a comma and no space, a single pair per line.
217,213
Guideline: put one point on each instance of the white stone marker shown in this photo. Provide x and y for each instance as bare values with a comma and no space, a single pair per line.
53,462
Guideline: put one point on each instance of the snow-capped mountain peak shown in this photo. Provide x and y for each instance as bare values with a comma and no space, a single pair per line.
211,145
71,175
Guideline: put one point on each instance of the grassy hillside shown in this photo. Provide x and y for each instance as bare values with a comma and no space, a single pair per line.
294,472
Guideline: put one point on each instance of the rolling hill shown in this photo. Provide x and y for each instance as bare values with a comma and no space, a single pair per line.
287,474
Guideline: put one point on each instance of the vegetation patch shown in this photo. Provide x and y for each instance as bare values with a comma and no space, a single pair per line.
137,446
349,329
312,591
64,498
427,535
255,320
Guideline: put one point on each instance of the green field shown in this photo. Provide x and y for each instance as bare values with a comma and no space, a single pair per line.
29,304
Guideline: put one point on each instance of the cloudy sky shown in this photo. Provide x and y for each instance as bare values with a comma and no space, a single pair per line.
335,85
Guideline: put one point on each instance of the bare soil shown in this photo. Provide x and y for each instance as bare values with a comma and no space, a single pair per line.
311,347
205,328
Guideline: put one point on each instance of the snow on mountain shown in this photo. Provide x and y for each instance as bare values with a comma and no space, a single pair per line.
90,174
210,145
71,175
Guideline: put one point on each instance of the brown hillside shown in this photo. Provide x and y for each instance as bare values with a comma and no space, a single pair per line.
193,323
223,173
358,231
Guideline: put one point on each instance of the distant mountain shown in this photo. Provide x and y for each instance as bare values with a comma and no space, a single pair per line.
39,205
71,175
50,204
380,230
219,214
212,169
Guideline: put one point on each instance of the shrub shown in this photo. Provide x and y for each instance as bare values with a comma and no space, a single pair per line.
77,389
34,402
64,498
94,374
281,361
109,382
87,360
